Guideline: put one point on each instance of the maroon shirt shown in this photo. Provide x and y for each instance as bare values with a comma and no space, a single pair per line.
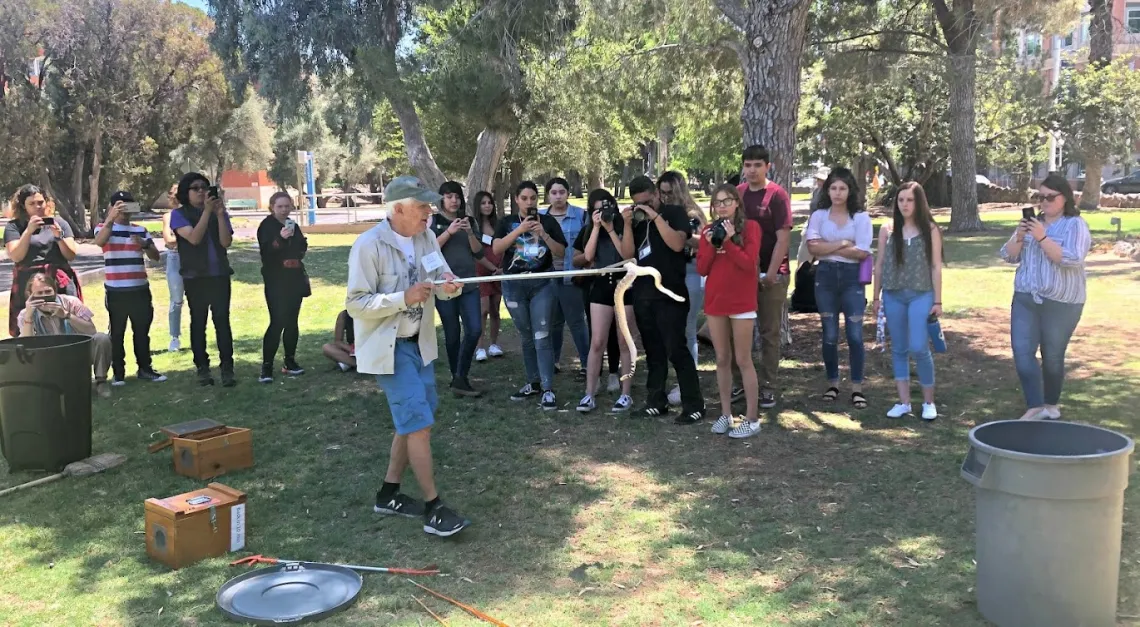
777,215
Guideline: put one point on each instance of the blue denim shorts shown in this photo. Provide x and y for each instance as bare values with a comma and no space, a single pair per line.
411,394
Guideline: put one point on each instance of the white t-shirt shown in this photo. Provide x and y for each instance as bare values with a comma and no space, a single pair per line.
409,323
857,229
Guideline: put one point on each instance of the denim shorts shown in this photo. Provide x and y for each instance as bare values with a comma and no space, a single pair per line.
410,390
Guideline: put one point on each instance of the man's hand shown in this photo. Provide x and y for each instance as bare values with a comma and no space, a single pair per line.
769,280
417,293
53,309
114,211
451,287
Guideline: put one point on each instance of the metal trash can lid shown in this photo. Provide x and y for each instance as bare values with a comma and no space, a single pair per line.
289,593
1049,440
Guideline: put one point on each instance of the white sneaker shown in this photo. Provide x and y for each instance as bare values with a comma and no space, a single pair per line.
495,351
343,366
898,411
674,396
587,404
929,411
1052,413
623,403
175,345
745,429
614,385
722,425
480,355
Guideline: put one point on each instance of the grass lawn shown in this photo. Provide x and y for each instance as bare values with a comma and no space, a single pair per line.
828,517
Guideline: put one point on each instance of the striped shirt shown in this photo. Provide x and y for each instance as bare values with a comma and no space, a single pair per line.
1037,275
123,258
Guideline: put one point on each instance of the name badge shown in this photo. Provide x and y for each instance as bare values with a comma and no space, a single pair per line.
644,252
487,239
433,262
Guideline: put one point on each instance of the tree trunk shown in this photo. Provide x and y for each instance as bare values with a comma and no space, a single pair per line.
488,155
1100,55
419,155
574,177
963,156
664,136
93,179
515,176
771,56
593,179
76,192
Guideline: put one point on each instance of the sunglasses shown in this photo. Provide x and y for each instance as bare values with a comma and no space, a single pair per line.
198,188
1047,198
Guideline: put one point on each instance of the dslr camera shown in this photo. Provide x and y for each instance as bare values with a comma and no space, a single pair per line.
717,233
609,210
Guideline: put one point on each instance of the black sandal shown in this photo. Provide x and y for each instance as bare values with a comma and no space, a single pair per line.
858,400
831,394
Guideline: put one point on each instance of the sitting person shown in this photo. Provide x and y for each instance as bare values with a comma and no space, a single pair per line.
48,312
342,350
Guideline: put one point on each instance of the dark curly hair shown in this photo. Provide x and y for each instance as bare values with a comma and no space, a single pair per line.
854,198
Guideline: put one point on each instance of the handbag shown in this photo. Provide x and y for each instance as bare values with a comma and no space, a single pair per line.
803,295
934,329
866,269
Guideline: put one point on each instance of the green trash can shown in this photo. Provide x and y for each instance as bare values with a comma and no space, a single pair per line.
45,401
1049,507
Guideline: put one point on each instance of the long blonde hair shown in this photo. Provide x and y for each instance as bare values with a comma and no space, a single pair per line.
680,190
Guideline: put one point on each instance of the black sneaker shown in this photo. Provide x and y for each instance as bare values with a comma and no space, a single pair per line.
399,504
266,374
460,386
689,417
527,391
442,521
292,369
151,375
737,394
548,401
767,400
204,377
650,411
581,374
228,379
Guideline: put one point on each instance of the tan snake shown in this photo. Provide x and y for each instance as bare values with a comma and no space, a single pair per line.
632,272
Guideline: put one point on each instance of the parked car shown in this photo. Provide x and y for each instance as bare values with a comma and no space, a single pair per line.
1129,184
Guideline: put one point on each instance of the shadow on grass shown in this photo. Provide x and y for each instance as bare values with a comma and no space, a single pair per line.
830,516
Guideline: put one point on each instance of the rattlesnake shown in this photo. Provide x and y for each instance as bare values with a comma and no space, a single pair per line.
632,272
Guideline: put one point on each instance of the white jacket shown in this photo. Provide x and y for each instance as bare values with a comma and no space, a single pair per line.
377,278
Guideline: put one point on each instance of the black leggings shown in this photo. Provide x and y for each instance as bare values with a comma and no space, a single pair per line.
284,302
612,353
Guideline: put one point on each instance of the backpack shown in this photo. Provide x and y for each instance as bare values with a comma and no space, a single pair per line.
803,295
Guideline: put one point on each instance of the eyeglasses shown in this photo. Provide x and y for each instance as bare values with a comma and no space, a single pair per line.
198,188
724,202
1048,198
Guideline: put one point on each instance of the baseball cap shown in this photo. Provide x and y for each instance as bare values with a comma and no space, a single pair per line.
822,173
122,196
405,187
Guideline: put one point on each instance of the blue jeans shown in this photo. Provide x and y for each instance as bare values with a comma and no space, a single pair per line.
907,312
569,310
838,290
464,307
176,288
1048,325
696,306
531,305
410,389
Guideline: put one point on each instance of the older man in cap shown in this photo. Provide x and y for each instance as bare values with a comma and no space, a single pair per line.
391,299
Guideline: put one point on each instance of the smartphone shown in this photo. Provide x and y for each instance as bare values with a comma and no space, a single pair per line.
213,191
1028,213
48,221
132,207
44,299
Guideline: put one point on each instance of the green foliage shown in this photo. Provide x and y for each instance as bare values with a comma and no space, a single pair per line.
241,140
1098,109
1012,116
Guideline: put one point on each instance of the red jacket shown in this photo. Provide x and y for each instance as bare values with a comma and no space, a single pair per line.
732,271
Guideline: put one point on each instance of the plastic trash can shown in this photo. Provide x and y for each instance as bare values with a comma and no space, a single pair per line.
1050,505
45,401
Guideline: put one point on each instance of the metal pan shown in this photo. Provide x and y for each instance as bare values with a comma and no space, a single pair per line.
290,592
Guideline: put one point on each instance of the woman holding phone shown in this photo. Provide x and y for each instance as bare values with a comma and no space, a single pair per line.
490,292
283,247
37,242
1048,293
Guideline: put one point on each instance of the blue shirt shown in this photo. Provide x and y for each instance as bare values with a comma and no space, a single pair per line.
572,224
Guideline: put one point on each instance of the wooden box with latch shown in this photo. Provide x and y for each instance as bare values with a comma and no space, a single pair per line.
190,527
204,449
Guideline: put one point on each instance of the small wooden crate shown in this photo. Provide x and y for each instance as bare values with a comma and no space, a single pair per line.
190,527
208,457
